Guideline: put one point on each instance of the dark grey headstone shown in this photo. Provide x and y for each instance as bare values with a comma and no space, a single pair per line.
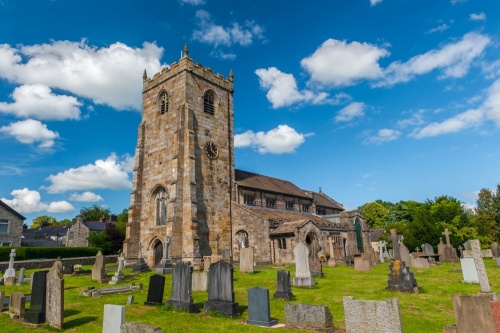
155,290
36,312
284,290
220,290
182,288
259,312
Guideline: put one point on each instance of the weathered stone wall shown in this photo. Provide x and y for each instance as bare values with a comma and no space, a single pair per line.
14,229
78,234
47,263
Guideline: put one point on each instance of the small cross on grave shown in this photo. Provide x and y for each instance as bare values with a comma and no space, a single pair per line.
417,249
447,234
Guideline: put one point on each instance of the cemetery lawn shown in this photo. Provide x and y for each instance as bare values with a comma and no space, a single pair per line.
425,312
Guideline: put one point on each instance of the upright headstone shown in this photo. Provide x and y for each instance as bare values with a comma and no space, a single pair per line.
114,318
381,245
165,266
362,264
55,296
246,260
155,290
259,310
302,273
484,283
119,272
9,277
98,271
404,252
20,276
310,317
314,261
469,271
495,249
36,312
473,312
130,300
400,278
2,297
372,316
207,261
332,262
448,252
284,289
182,296
220,290
17,304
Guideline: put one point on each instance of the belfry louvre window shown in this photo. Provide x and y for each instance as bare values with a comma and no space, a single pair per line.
209,102
163,102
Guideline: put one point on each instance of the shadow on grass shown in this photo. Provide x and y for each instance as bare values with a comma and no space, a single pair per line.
242,309
78,322
69,288
69,313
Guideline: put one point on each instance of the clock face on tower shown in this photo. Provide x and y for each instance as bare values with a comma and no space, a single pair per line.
211,150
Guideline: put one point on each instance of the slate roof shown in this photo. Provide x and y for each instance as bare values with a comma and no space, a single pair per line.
48,231
289,227
321,199
270,184
375,234
7,207
95,225
39,242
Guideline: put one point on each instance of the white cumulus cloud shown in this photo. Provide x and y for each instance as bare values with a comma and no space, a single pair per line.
193,2
383,136
280,140
86,196
38,101
374,2
107,75
29,201
450,125
350,112
477,17
282,90
103,174
30,131
339,63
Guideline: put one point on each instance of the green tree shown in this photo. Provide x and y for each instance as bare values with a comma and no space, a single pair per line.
43,220
95,213
376,215
122,220
100,240
485,210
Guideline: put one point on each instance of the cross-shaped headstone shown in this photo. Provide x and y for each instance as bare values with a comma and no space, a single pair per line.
395,245
121,260
447,234
12,255
417,249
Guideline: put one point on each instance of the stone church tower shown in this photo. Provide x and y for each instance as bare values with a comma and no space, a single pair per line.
184,165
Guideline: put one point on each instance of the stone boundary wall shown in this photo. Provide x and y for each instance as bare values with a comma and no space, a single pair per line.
47,263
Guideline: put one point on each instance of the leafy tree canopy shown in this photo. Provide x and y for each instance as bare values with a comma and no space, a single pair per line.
95,213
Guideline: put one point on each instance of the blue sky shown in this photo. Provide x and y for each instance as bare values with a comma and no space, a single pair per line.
369,99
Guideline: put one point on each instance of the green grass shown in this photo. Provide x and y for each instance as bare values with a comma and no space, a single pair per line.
425,312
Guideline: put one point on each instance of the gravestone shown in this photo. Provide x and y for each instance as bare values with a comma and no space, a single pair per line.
302,274
130,300
20,276
2,297
418,262
114,318
9,277
259,311
36,312
428,249
475,247
363,316
469,271
119,272
277,260
207,261
141,265
54,308
332,262
182,297
98,271
447,252
17,304
246,260
485,253
381,245
284,289
495,250
498,262
155,290
361,264
473,312
132,327
310,317
400,278
314,262
200,281
404,252
221,290
165,266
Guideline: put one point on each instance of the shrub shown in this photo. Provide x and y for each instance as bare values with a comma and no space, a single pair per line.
27,253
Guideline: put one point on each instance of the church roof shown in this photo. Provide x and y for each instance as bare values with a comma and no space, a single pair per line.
7,207
289,227
270,184
321,199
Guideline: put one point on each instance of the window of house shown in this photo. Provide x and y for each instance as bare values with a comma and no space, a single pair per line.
289,204
71,235
209,102
249,199
160,199
279,242
7,244
270,202
4,226
163,102
305,207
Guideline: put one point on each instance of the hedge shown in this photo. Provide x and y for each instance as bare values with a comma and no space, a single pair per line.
28,253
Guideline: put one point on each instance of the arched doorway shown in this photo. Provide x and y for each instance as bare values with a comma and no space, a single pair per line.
157,252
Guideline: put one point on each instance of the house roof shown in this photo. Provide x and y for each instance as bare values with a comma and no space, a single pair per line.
7,207
270,184
95,225
51,230
289,227
39,242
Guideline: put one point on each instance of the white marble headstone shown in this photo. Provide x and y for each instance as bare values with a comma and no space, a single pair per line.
469,270
114,317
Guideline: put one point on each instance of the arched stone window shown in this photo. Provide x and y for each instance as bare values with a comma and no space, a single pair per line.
209,102
163,102
242,237
359,235
160,202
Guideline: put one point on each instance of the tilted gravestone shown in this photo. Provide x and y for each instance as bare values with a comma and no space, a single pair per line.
314,262
98,271
114,318
246,260
54,307
130,300
259,311
17,304
155,290
310,317
36,312
181,296
302,273
495,250
284,291
9,278
484,283
221,290
372,316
